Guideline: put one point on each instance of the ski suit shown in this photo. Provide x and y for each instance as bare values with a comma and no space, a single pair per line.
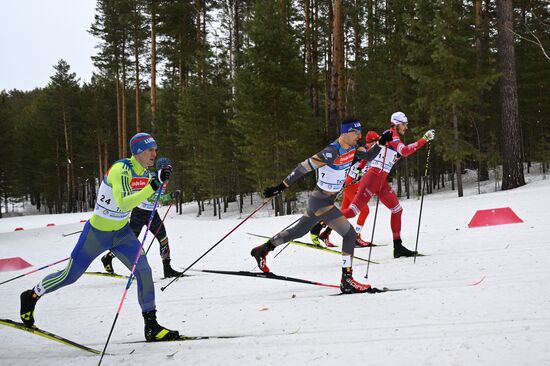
330,180
352,187
140,217
375,181
125,186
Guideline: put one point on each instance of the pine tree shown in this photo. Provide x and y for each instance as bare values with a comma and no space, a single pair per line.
439,59
271,105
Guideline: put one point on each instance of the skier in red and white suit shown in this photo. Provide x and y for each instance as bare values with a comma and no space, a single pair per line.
375,180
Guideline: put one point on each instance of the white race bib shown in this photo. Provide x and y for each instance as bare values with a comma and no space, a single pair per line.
106,205
389,159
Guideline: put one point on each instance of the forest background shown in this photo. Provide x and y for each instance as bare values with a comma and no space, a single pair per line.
237,92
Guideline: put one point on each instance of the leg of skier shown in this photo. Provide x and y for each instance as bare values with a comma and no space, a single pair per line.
125,249
389,199
90,245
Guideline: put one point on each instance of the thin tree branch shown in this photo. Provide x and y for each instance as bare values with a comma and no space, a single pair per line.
537,43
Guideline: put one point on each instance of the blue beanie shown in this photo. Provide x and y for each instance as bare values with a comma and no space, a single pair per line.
141,142
350,124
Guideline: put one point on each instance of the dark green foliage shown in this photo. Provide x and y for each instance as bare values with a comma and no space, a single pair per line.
235,117
271,110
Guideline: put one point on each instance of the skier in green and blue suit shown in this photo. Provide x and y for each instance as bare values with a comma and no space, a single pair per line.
127,184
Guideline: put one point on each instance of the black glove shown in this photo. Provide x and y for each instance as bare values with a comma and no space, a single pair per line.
386,137
162,176
272,191
176,195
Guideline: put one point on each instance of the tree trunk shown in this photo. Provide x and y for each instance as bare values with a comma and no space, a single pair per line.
119,115
136,63
370,28
308,49
99,160
483,171
337,82
136,60
457,160
105,159
511,134
332,81
67,160
315,58
153,68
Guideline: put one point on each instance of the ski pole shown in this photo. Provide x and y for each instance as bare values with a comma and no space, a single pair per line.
422,201
158,229
376,209
131,276
35,270
76,232
219,241
280,251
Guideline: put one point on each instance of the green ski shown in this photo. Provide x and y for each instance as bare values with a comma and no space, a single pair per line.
106,274
48,335
313,246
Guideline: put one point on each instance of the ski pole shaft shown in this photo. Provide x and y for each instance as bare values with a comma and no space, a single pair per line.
215,245
35,270
372,235
158,229
422,201
131,276
76,232
280,251
376,210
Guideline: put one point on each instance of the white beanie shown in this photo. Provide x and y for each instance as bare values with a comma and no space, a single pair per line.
398,118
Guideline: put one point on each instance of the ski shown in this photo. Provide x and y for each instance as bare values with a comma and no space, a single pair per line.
370,245
269,275
313,246
183,338
374,290
48,335
106,274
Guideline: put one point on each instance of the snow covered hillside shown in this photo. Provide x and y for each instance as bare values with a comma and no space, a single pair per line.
442,318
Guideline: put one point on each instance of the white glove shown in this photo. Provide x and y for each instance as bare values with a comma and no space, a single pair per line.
429,135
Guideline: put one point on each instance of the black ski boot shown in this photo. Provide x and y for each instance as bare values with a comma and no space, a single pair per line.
155,332
400,251
260,253
107,261
28,301
169,271
349,286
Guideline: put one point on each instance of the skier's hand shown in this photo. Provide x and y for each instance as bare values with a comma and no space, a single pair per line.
273,191
386,137
162,176
429,135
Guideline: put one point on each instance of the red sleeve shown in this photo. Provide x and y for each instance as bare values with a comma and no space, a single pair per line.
405,150
362,164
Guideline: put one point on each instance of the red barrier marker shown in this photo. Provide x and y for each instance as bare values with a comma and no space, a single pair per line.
13,264
494,216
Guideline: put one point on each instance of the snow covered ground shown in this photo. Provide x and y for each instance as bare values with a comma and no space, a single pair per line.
441,320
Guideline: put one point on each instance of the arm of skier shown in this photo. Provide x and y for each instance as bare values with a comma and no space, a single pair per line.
368,155
119,178
406,150
325,156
